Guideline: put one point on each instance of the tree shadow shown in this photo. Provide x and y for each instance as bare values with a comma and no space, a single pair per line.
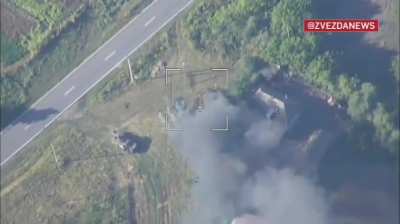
352,53
355,9
10,114
34,115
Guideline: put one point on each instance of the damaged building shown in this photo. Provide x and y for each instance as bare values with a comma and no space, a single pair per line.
274,108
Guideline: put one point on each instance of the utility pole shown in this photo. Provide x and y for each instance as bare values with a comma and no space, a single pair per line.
54,154
130,71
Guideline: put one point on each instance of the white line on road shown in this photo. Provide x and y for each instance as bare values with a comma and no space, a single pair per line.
49,123
150,21
69,91
147,7
110,55
82,63
27,127
97,81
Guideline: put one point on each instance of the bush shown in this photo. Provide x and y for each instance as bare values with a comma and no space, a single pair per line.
362,102
246,68
11,51
396,67
385,129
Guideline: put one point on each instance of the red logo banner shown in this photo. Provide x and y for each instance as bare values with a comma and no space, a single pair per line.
341,25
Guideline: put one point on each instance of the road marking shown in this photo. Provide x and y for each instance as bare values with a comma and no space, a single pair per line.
49,123
147,7
69,91
110,55
84,61
97,81
149,21
27,127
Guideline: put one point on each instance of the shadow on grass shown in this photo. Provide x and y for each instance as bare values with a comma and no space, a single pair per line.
8,115
28,116
34,115
353,54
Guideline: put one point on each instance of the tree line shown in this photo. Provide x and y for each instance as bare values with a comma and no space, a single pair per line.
272,31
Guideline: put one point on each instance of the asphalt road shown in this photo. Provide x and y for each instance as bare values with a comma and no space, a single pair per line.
91,71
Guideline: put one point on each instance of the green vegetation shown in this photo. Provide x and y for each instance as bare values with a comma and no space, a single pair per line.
287,44
113,209
245,67
395,69
40,38
361,102
257,33
48,188
51,20
47,12
223,29
142,67
49,192
11,51
12,98
270,31
86,28
273,31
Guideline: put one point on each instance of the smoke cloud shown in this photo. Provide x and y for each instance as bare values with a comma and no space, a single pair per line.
226,187
282,197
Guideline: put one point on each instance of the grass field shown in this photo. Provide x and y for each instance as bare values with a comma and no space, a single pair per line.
11,51
14,25
92,24
86,178
33,24
75,174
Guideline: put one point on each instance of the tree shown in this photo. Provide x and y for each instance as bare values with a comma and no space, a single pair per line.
346,86
12,98
361,102
246,68
395,68
319,72
288,45
385,131
287,17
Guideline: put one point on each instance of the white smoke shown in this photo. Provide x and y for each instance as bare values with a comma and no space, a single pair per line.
282,197
226,188
265,134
